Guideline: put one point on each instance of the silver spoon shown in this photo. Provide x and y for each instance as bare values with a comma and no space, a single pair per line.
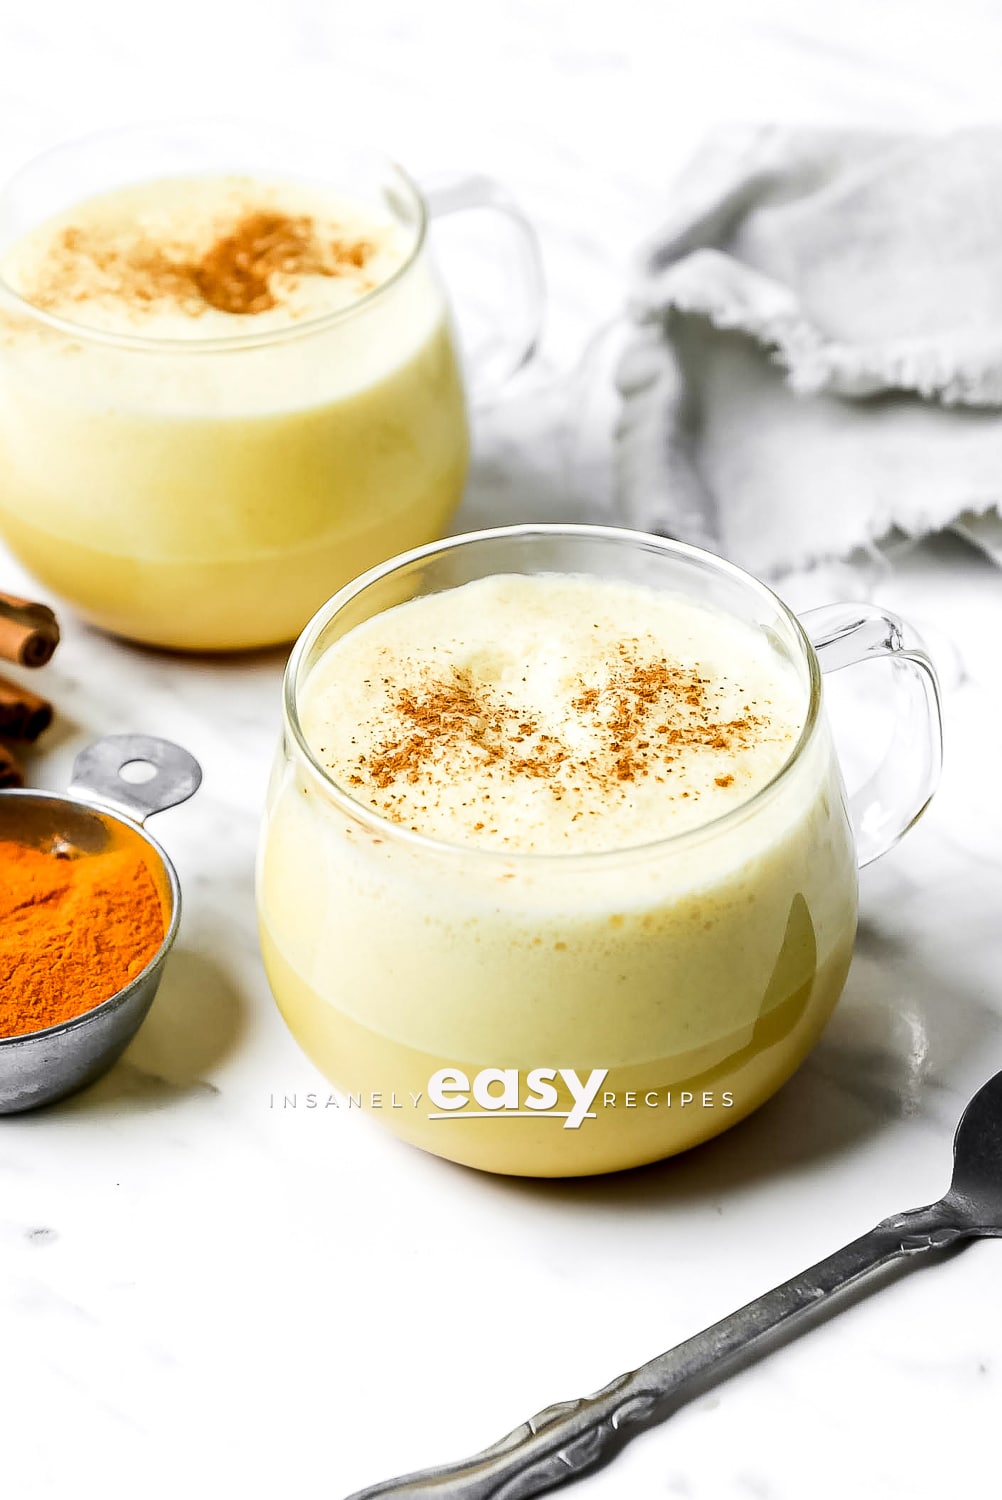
568,1439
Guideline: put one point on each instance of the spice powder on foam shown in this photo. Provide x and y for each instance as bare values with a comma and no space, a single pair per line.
641,720
242,270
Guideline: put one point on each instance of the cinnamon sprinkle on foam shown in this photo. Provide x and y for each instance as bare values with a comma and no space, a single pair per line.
247,262
445,721
545,713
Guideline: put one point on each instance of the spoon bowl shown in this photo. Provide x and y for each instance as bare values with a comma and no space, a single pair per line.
976,1189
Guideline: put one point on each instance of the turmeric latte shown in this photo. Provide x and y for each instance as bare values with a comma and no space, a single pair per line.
226,396
636,870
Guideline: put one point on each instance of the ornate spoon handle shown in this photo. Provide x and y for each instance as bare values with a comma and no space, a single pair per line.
566,1440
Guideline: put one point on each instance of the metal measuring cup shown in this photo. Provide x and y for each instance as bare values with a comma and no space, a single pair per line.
101,808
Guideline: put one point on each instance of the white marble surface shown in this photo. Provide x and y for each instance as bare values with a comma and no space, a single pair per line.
205,1295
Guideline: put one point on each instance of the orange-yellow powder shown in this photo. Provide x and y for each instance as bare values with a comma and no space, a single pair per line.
75,928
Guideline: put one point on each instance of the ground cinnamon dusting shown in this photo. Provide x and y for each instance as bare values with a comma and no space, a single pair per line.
646,715
237,272
244,269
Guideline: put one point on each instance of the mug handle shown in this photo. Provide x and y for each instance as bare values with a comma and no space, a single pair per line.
523,316
898,792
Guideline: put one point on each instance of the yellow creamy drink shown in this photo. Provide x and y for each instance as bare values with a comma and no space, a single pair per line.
590,895
221,398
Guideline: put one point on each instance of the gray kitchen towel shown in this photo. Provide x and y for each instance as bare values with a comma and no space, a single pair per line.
814,361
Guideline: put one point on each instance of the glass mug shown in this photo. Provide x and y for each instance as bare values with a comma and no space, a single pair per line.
211,493
664,990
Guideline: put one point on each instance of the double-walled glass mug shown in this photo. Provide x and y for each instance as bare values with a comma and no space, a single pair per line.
665,991
210,492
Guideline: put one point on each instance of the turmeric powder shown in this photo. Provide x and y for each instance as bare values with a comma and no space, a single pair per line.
75,929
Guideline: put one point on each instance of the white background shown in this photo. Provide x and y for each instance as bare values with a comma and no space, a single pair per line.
205,1295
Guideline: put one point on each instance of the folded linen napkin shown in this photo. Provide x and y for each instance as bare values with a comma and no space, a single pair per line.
815,355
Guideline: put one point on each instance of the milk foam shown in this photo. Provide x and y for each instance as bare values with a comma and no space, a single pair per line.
138,260
552,714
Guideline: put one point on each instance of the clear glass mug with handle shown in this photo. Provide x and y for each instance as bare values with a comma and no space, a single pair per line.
471,998
208,484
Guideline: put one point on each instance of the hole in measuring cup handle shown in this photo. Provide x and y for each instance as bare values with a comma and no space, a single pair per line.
172,775
137,772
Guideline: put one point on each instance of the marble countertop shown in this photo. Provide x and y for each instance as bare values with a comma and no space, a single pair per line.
205,1292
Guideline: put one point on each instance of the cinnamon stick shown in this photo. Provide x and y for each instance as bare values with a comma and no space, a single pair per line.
23,714
10,771
29,633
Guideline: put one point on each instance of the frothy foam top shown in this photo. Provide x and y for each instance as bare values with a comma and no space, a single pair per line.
205,257
552,714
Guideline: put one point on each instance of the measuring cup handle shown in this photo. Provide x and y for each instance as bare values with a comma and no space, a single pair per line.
172,775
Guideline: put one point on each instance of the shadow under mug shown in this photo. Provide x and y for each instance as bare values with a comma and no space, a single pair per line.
552,1015
209,493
